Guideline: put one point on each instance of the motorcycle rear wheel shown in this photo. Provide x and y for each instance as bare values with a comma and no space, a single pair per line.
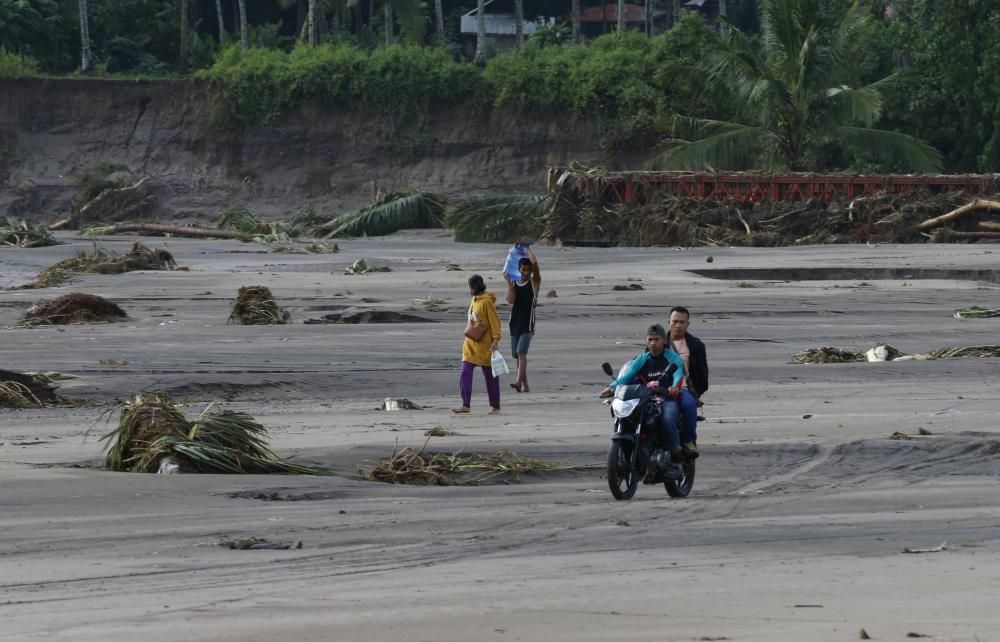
682,486
623,473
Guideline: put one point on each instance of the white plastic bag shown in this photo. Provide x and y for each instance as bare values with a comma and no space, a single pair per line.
499,364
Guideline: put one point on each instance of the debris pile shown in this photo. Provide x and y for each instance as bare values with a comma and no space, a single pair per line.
19,233
418,467
28,389
826,354
74,307
255,305
102,261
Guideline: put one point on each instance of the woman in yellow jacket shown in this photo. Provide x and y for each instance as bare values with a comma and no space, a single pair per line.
477,352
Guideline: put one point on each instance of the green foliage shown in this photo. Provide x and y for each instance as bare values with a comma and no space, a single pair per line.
91,182
19,233
949,57
14,65
26,28
396,211
237,218
401,83
796,86
498,219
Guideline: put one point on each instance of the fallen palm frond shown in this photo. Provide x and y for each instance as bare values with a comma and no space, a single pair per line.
825,354
101,261
19,233
395,211
438,431
17,395
237,218
965,351
255,305
430,304
303,221
498,219
74,307
151,428
418,467
361,267
258,543
976,312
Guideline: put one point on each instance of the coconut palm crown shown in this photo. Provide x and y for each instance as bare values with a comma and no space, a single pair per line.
792,89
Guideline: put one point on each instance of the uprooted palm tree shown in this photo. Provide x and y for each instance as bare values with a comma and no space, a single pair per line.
794,89
403,210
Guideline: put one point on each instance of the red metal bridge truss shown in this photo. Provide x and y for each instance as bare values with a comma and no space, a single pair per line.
625,187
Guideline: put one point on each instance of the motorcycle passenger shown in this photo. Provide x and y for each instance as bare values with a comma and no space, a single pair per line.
695,384
647,368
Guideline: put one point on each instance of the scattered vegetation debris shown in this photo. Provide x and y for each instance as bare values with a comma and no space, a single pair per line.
101,261
361,267
943,546
151,428
18,233
392,403
430,304
74,307
976,312
316,247
451,267
32,389
621,521
258,543
418,467
237,218
114,362
966,351
630,286
368,316
255,305
14,394
402,210
551,294
438,431
911,634
825,354
708,259
863,635
900,436
923,431
745,284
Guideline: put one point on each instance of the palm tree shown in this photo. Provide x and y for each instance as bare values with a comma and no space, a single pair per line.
243,25
183,62
621,17
86,62
793,93
519,23
480,32
222,25
311,21
575,19
723,16
389,36
439,18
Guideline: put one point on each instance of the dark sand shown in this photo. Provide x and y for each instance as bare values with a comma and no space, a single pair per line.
794,531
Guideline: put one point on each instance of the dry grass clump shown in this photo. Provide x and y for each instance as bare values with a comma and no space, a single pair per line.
17,395
255,305
101,261
151,428
74,307
826,354
420,468
976,312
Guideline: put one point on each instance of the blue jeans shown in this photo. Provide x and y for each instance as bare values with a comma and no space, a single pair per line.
669,414
689,408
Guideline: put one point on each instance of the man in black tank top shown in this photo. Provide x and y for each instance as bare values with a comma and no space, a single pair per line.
522,295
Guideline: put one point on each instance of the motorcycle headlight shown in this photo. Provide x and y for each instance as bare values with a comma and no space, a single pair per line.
623,408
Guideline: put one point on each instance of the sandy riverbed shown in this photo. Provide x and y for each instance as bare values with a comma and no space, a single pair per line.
794,531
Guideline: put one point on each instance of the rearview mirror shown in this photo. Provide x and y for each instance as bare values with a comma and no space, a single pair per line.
606,367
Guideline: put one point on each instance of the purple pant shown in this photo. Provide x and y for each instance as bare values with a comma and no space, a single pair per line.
465,384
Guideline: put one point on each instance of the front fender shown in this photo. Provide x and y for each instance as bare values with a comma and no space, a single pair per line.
620,436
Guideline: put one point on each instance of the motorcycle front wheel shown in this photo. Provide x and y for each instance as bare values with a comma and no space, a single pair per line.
681,487
623,474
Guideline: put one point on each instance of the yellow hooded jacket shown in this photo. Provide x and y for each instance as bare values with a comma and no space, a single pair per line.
482,311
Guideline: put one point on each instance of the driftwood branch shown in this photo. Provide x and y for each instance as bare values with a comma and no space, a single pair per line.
989,225
61,223
950,234
958,213
110,193
156,229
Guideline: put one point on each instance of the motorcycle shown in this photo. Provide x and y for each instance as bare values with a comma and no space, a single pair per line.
636,451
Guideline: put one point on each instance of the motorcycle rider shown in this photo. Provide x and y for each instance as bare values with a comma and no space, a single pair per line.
647,368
